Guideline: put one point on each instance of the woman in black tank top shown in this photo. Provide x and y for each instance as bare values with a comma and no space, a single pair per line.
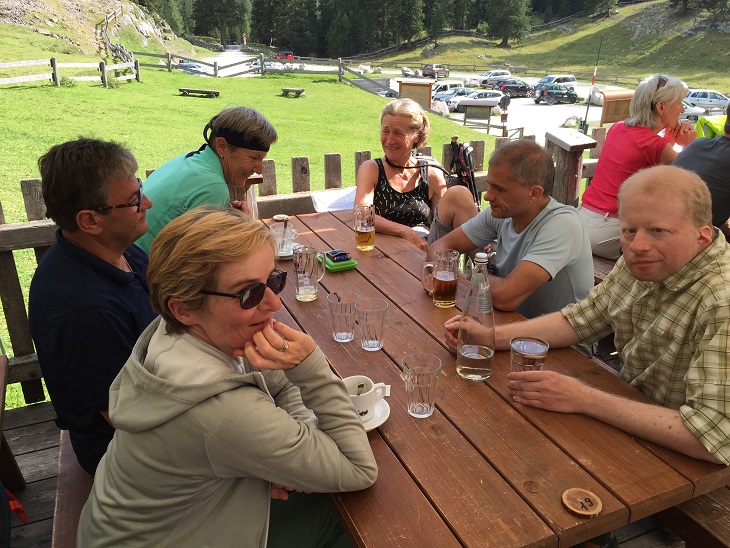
405,200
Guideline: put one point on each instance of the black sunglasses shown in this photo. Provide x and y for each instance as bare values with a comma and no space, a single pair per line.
660,83
137,203
255,294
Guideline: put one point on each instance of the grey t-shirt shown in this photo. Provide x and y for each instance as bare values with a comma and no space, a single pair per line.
556,240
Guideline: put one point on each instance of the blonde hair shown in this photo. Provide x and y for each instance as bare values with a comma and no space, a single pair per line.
658,181
187,254
649,92
418,120
248,124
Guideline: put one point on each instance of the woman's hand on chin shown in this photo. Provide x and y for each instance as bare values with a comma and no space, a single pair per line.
278,346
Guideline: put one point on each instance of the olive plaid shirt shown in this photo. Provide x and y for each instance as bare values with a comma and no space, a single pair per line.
672,338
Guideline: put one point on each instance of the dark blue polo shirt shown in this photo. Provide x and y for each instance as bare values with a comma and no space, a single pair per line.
85,316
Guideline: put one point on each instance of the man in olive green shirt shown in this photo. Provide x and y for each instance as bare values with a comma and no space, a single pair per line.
667,303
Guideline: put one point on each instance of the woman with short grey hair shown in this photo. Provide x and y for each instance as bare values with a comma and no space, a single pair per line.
630,146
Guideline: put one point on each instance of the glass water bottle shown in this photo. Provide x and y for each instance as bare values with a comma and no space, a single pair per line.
475,349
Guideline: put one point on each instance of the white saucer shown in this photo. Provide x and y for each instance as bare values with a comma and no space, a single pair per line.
382,412
285,257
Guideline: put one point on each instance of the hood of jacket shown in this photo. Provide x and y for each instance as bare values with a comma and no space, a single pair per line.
139,399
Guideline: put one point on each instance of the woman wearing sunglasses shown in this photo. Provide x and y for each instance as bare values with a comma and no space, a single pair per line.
632,145
221,411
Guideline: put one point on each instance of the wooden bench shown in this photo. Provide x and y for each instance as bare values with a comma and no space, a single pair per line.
703,522
186,92
294,91
72,489
10,474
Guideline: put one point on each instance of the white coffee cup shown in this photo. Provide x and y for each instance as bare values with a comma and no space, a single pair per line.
365,394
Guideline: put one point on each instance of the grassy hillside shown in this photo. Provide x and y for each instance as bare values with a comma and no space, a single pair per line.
638,40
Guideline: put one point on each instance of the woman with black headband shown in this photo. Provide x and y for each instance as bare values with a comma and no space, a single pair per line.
237,141
409,201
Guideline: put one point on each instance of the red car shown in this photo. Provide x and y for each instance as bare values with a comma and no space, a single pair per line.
286,55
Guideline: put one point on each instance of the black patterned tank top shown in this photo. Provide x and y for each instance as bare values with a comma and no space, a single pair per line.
407,208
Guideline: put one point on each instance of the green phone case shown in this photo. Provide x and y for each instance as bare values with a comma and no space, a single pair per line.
338,266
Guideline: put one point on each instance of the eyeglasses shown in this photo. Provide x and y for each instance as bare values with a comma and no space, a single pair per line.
255,294
137,203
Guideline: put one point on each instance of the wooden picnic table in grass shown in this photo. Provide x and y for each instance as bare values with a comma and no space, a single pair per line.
212,93
482,470
294,91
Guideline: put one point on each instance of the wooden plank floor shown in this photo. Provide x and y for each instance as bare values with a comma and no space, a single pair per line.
33,437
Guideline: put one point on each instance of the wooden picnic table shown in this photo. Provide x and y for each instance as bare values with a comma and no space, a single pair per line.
482,470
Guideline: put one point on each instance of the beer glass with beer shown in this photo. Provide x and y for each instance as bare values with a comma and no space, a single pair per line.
364,220
442,277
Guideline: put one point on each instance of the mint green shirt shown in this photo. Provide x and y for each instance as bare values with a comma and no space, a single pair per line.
183,183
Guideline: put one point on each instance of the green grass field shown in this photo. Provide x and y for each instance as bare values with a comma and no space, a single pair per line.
157,123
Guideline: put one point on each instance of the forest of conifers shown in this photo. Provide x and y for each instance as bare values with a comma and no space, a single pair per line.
340,28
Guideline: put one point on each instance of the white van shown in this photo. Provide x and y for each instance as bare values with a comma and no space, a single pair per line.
440,87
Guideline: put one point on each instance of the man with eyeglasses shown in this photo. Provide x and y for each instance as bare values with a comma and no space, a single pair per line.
89,299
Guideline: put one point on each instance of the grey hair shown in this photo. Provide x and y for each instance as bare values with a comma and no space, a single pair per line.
529,162
642,110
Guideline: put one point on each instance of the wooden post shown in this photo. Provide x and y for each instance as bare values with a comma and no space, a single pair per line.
54,69
268,187
300,173
360,157
599,134
332,170
339,71
566,147
215,69
426,151
446,154
102,69
136,71
169,62
261,63
477,157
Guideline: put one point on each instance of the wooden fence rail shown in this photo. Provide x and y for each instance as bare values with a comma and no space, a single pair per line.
54,76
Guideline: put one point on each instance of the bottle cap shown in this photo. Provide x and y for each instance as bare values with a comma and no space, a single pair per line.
481,258
280,218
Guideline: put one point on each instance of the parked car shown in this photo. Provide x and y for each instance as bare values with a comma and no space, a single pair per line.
516,88
268,65
555,93
189,67
491,77
439,87
691,113
485,98
435,71
287,55
707,99
567,79
453,92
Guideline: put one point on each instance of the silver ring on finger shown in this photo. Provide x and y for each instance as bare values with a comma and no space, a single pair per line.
284,347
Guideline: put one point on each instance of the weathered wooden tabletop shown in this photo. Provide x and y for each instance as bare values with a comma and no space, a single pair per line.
482,470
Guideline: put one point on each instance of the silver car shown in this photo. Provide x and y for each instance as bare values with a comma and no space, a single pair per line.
707,99
691,113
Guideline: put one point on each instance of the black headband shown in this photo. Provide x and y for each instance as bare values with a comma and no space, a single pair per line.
236,139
